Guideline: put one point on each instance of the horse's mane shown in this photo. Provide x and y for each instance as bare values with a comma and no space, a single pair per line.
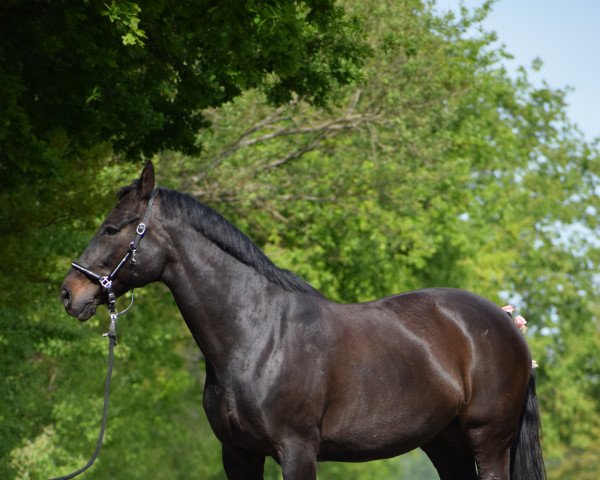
226,236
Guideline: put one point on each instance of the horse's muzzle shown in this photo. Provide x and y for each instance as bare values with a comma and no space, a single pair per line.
79,297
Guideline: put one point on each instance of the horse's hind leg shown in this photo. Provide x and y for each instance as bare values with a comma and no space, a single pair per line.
450,454
491,429
491,447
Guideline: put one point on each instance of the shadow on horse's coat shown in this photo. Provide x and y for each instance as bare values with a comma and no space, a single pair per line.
293,375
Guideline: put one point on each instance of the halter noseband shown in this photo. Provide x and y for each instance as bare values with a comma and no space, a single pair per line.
105,281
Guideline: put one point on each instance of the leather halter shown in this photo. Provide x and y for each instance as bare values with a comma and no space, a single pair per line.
106,281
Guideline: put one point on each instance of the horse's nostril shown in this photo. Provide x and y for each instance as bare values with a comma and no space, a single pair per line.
66,297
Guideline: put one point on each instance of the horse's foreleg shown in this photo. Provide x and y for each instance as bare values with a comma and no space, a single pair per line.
241,464
298,460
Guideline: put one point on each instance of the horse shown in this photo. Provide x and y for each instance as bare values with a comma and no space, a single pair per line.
295,376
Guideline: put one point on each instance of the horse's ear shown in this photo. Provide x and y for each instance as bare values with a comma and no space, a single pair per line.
145,185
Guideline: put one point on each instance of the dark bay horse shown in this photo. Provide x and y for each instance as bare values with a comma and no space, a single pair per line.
295,376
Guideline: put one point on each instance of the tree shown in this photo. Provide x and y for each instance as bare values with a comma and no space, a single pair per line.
139,74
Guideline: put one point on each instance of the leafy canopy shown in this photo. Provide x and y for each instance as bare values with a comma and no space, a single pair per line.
139,74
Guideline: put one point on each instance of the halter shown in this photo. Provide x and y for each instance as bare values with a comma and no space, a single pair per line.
106,281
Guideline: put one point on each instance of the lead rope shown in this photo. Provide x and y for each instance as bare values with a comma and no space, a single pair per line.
112,341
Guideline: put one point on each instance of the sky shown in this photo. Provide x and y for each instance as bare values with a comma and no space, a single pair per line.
565,35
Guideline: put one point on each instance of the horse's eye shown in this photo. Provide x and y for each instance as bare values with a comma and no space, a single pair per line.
110,230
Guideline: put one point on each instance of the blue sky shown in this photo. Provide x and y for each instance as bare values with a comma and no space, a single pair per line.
565,35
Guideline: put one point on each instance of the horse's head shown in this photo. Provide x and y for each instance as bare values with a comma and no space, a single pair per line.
82,293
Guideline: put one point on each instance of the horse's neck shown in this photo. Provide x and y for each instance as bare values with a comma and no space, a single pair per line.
228,307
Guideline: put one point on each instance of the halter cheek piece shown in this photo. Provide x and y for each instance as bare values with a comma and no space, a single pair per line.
105,281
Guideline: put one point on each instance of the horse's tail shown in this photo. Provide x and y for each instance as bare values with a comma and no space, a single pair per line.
526,461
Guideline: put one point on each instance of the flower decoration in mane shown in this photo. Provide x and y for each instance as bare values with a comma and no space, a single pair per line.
520,322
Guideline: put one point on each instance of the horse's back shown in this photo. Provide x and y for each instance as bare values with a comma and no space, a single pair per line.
437,312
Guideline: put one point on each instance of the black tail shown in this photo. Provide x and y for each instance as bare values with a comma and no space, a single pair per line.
526,461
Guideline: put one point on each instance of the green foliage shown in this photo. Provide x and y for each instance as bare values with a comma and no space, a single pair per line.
126,16
438,169
139,74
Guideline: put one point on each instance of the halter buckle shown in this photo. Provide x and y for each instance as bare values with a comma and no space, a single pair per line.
141,228
105,282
